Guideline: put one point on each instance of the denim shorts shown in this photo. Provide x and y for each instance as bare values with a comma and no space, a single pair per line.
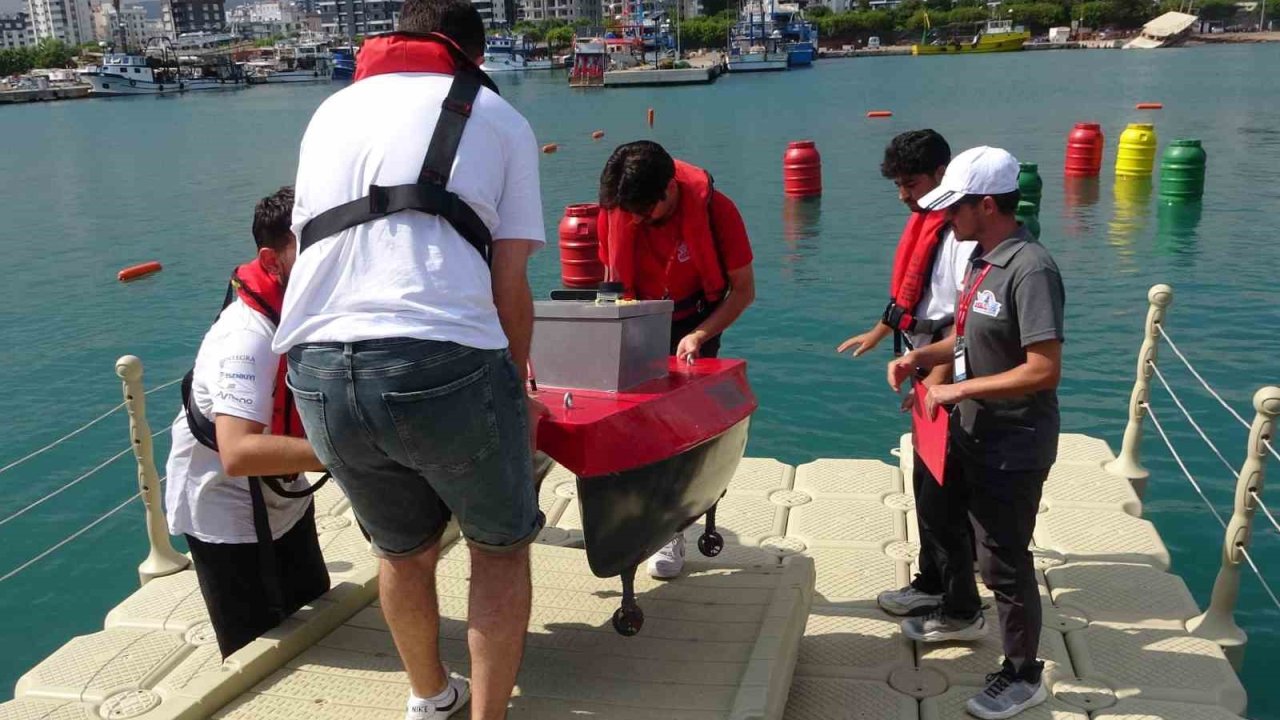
416,431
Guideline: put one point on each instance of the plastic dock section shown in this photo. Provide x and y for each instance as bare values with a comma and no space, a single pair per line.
782,624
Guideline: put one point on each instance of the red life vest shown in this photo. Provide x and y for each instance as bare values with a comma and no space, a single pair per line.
619,232
912,264
264,294
400,52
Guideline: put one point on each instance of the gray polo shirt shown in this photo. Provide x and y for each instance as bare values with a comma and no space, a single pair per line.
1019,303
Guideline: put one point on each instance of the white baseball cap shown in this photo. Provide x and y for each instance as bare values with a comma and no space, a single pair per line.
977,171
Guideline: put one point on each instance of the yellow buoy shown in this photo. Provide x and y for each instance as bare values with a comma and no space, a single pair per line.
1136,155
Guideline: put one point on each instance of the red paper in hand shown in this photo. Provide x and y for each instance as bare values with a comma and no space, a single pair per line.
929,434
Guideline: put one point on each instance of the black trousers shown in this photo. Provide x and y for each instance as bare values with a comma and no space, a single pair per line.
1001,505
234,586
684,326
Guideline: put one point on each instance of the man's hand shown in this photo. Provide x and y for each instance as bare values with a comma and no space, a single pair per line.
860,344
943,394
537,411
690,344
901,368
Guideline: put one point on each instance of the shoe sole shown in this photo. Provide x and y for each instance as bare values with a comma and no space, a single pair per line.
657,574
967,634
897,610
1040,696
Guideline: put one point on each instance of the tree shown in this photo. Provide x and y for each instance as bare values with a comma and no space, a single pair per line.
15,61
561,37
817,11
1216,10
1094,14
1038,16
51,53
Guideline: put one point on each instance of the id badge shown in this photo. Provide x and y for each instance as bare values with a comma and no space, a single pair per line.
961,367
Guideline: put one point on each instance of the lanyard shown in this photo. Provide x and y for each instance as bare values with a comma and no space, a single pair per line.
966,298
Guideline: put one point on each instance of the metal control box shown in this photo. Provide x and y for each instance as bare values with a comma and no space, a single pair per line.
600,346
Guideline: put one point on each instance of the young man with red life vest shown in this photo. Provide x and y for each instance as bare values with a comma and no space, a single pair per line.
256,554
928,268
407,325
666,233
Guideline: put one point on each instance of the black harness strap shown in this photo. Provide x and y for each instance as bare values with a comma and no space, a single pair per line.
429,194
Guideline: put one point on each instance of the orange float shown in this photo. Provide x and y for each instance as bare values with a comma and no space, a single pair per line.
550,148
650,116
1150,106
879,113
597,135
133,272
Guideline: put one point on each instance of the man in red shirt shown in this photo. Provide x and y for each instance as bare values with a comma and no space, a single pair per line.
666,233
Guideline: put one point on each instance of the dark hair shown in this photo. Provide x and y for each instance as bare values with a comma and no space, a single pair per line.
636,176
1006,203
457,19
918,152
271,219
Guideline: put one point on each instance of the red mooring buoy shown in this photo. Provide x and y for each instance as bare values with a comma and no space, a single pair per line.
801,170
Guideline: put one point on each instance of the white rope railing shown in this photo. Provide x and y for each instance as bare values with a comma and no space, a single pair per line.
77,481
1194,424
71,537
1209,388
1190,478
1258,499
77,431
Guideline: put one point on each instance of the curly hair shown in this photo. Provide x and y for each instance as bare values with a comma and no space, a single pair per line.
636,176
271,219
918,152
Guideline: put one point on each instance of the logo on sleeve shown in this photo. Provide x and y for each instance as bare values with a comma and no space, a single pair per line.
986,304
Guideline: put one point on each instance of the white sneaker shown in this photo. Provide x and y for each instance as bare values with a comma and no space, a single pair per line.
669,561
439,709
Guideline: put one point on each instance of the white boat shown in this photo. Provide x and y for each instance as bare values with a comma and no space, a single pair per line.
1168,30
510,54
291,64
755,45
215,74
121,74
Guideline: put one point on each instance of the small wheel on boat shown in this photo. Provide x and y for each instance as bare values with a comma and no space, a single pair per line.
710,544
628,620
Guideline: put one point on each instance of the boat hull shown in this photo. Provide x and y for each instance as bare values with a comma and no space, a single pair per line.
216,84
109,85
746,66
628,516
1013,42
297,76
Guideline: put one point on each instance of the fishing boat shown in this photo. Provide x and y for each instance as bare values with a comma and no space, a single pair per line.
291,64
511,53
754,44
344,63
154,72
217,73
590,62
961,38
799,36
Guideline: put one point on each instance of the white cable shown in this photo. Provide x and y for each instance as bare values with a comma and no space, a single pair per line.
1185,413
75,535
1263,581
1205,383
1272,518
77,431
98,467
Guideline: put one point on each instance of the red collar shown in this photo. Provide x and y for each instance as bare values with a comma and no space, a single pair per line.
399,52
259,289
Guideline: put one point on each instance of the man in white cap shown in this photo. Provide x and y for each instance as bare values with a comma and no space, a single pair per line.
1007,352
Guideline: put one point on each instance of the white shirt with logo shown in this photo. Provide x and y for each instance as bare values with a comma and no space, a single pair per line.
939,298
409,274
235,374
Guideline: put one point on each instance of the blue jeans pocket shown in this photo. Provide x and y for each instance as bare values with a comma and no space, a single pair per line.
311,408
448,428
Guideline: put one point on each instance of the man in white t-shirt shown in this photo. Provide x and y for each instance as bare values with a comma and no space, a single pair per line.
235,394
407,351
929,269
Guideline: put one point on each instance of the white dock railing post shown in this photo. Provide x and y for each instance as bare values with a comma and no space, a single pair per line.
1218,623
1128,464
162,559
